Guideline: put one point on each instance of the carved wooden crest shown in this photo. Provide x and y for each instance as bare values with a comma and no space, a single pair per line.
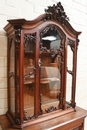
56,12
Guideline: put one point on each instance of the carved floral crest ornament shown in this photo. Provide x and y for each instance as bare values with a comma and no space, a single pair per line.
56,12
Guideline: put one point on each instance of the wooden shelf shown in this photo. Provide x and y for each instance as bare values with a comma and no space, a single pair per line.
42,81
30,81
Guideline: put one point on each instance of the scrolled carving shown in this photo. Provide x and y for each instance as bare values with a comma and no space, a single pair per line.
56,12
17,120
28,38
50,109
17,37
61,57
28,117
71,43
60,101
70,72
54,53
40,104
42,49
44,31
74,106
52,27
30,73
11,74
68,104
77,43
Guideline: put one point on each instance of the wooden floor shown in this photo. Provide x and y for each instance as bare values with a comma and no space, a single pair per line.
59,123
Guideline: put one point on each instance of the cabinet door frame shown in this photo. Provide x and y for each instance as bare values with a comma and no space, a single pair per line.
36,87
63,53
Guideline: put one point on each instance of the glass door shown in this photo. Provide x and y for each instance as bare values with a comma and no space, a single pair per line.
50,70
11,73
29,75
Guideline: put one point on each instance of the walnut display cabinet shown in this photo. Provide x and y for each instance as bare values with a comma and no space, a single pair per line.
41,69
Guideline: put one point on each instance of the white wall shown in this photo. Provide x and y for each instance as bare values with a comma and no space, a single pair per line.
76,10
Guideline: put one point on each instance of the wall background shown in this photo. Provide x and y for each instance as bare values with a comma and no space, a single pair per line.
76,10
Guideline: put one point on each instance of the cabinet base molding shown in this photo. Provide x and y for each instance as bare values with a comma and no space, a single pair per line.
70,121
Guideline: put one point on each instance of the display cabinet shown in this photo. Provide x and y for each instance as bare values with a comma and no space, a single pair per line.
38,58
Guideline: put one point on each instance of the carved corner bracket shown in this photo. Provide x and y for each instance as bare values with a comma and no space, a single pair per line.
71,43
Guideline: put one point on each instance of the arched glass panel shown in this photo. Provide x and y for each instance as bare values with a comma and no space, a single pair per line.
50,74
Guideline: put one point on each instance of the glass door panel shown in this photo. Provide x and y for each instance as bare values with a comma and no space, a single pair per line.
29,75
50,71
12,76
69,76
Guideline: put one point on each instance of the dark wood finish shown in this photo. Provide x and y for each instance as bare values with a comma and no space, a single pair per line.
66,122
38,93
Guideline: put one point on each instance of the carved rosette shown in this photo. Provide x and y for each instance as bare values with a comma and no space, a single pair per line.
56,12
